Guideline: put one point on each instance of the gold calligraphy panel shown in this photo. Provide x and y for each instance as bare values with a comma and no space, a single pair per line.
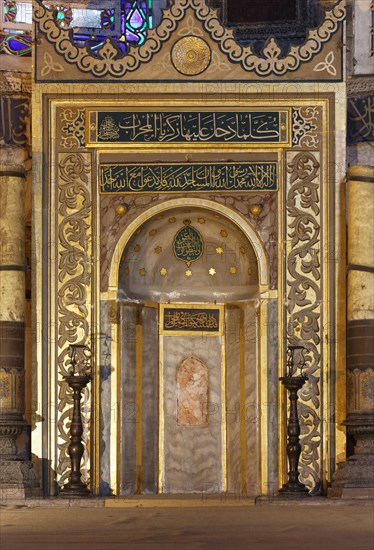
191,320
242,126
174,178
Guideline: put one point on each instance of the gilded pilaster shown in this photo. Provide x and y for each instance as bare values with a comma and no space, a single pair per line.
355,477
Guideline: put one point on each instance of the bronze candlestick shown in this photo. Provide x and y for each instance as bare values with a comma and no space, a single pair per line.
294,488
77,379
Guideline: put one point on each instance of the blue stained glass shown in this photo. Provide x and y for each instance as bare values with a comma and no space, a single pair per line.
15,44
131,37
136,19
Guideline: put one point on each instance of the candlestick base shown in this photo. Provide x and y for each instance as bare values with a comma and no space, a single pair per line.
74,490
293,490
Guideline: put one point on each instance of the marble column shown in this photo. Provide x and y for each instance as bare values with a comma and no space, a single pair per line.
16,474
355,477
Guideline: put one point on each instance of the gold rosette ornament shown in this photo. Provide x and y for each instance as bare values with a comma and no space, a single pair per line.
191,55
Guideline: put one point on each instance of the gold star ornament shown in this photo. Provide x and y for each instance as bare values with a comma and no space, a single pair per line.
219,250
212,271
188,273
163,271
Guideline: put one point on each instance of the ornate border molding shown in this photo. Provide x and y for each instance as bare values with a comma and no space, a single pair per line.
110,61
73,290
304,297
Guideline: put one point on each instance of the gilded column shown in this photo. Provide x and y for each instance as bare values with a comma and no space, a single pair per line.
15,474
355,477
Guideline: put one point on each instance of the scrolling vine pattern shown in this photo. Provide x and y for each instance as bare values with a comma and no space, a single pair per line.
304,296
110,61
73,291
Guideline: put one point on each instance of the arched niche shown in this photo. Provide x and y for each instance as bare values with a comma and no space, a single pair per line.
218,209
188,255
173,451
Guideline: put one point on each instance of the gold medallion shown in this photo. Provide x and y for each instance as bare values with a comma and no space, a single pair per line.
191,55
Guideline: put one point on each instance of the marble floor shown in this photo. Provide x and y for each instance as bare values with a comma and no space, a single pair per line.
196,526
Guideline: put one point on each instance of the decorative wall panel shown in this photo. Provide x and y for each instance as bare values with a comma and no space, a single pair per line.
189,28
73,289
360,122
14,120
304,296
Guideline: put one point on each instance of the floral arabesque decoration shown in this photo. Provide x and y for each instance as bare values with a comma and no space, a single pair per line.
63,16
109,58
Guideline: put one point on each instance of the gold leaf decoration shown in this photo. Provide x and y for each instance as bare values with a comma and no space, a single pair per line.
50,66
108,61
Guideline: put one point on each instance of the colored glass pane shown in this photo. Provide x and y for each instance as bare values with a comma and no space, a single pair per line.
15,44
23,13
10,11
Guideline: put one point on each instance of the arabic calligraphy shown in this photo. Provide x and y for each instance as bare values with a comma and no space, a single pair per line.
177,319
14,115
169,178
185,127
188,244
360,125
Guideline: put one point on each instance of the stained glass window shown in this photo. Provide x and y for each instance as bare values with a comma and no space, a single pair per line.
15,27
126,22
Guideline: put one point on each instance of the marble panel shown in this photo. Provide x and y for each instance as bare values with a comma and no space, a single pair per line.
128,398
233,409
106,416
251,397
150,400
192,454
192,393
273,389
